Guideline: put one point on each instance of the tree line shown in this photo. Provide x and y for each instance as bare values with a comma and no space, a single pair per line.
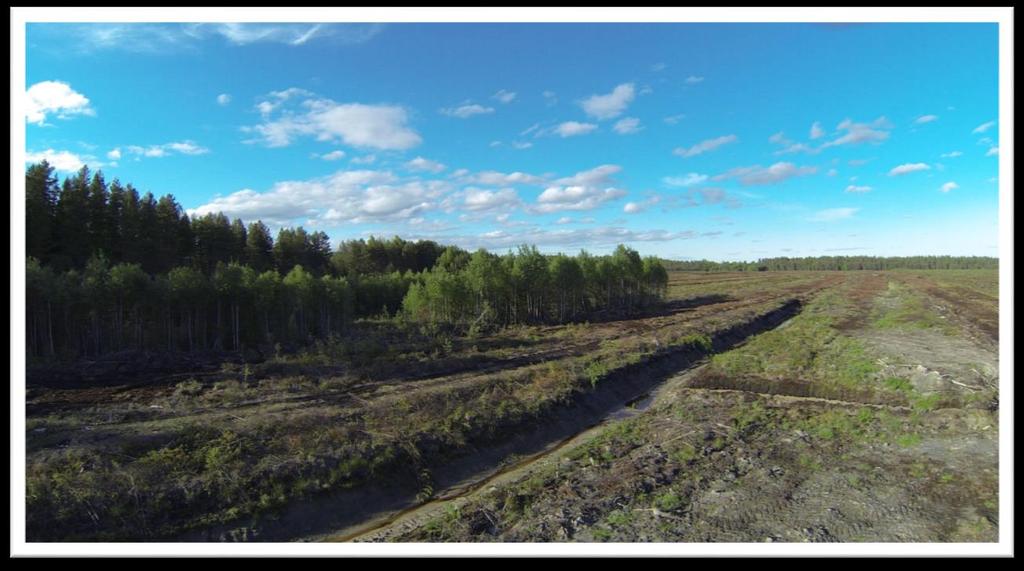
109,269
839,263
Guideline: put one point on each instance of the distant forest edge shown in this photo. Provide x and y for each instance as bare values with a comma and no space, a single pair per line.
838,263
110,270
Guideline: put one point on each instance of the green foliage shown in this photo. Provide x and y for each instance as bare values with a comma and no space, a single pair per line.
669,501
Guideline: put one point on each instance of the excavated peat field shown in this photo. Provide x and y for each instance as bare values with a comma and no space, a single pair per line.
661,447
910,455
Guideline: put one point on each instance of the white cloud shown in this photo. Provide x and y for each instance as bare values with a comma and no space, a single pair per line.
610,105
114,155
853,188
166,38
857,133
694,80
790,146
660,66
705,146
573,128
925,119
949,186
466,111
64,161
504,96
992,152
426,165
774,174
520,145
333,155
690,179
907,168
187,148
832,214
816,131
673,119
364,160
550,98
951,155
355,124
585,190
564,220
157,151
628,126
833,172
54,97
637,207
482,200
344,197
223,99
580,237
984,127
289,34
494,178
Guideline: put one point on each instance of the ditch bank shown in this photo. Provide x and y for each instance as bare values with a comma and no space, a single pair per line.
447,474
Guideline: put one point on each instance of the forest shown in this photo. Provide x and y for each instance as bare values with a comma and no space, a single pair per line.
109,269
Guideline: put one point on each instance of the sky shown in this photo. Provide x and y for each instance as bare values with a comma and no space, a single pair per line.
686,141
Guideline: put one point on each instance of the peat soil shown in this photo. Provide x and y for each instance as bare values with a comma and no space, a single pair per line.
717,459
348,514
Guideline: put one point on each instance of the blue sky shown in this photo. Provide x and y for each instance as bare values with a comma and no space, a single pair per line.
720,141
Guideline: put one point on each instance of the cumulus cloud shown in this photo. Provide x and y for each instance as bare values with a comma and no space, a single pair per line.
925,119
56,98
774,174
426,165
854,188
637,207
114,155
504,96
495,178
574,128
833,214
949,186
705,146
627,126
585,190
483,200
355,124
907,168
333,155
816,131
790,146
858,133
157,151
690,179
611,105
223,99
64,161
344,197
984,127
467,110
